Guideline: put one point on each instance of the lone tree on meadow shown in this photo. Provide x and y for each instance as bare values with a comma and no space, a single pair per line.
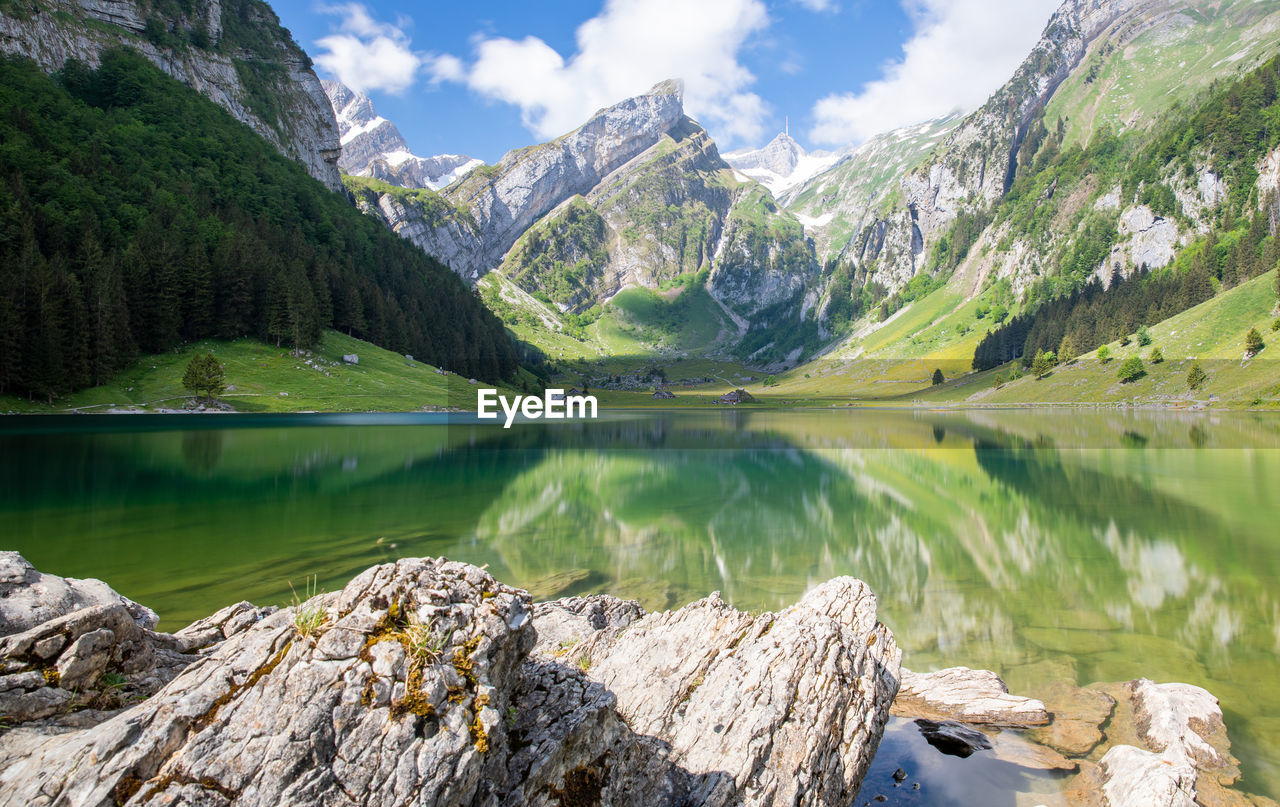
1131,370
1196,377
1253,342
937,376
205,374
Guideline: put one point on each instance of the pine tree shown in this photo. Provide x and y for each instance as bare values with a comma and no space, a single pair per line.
205,374
1044,362
1196,377
937,376
1253,342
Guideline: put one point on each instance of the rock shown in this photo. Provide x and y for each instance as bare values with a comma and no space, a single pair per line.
1181,718
29,597
1132,777
223,624
418,687
1017,751
1078,716
86,659
952,738
708,682
970,696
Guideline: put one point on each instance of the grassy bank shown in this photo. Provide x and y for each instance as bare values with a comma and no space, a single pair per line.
264,378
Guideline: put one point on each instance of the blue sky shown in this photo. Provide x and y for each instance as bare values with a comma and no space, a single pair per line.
483,79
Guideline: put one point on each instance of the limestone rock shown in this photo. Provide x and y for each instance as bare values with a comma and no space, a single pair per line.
970,696
1078,716
29,597
1183,718
1133,777
417,688
710,682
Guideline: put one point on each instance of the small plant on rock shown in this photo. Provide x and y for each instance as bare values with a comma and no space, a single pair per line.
421,640
309,617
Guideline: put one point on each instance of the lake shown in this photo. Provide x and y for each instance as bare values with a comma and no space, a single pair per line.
1087,545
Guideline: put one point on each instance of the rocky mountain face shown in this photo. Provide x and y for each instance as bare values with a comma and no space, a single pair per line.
372,146
782,164
1095,57
855,196
639,195
234,52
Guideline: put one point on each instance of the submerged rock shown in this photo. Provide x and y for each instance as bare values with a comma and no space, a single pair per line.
952,738
416,684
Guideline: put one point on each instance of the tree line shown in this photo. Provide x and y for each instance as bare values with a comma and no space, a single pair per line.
136,215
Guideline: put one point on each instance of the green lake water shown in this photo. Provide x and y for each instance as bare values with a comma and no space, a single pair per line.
1046,545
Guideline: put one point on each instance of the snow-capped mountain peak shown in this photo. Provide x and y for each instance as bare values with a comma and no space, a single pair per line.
782,164
372,146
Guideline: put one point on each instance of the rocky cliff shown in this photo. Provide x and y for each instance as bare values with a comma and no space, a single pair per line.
372,146
234,52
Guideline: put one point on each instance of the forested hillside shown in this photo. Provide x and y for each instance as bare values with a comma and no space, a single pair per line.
1070,312
136,215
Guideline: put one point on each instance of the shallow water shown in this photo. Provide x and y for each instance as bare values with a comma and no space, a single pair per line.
1090,546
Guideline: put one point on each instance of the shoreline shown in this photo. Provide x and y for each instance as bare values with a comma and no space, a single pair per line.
1111,739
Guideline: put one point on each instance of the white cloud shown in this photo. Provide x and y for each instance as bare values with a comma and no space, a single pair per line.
961,51
367,55
630,46
819,5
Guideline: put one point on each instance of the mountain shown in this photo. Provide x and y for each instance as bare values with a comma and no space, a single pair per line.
637,197
233,51
1044,225
372,146
782,164
1100,66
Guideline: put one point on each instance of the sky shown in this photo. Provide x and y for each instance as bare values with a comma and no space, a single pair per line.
481,79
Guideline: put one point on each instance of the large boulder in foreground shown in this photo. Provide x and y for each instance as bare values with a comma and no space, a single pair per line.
416,685
29,597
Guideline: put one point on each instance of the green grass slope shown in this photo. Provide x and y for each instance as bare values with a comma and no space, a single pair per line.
1212,333
1115,88
264,378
